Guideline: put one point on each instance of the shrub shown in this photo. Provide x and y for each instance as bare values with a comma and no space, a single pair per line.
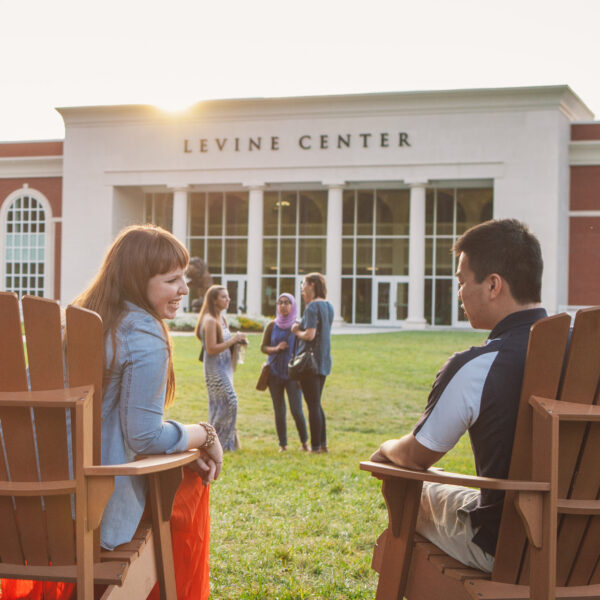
187,322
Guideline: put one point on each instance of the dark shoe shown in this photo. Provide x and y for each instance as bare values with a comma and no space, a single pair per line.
282,448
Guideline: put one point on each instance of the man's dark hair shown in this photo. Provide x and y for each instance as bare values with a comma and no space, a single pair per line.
508,248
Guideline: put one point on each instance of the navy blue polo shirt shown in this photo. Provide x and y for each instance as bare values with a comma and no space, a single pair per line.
478,391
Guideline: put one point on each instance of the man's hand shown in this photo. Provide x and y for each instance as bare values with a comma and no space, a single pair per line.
407,452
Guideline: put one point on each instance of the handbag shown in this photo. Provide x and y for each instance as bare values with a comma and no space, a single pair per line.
304,364
263,378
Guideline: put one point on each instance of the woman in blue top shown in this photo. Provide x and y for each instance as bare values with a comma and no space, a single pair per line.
142,282
278,341
315,330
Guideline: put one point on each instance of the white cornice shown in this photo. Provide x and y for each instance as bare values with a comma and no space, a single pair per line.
31,166
584,153
559,97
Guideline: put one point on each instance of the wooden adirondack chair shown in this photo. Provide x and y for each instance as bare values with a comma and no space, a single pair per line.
549,538
49,509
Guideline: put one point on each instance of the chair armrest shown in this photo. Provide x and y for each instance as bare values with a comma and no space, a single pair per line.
152,463
389,470
566,411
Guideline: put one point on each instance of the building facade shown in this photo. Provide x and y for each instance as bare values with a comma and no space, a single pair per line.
372,190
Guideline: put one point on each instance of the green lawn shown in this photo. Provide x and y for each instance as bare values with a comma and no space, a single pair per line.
297,526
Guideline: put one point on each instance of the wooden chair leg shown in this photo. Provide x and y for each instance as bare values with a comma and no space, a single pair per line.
162,489
402,499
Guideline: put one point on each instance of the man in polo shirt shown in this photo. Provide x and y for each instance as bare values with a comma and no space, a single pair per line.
499,275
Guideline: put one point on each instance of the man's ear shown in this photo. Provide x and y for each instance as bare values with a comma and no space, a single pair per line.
495,283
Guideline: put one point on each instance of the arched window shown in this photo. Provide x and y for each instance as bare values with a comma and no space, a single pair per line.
26,250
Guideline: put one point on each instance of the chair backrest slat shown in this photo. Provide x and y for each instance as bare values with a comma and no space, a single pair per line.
18,437
579,475
85,361
12,378
45,353
545,357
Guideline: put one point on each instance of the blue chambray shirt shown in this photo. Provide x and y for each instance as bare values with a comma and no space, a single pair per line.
132,417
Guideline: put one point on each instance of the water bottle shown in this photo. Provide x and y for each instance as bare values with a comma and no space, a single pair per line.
241,352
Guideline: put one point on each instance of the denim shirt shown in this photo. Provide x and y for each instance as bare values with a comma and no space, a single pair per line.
132,416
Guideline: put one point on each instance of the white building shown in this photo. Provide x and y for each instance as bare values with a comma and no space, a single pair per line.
371,190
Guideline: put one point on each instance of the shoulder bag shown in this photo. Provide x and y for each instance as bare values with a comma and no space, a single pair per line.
265,371
304,364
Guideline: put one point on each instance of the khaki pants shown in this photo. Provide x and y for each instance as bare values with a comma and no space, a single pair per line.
444,520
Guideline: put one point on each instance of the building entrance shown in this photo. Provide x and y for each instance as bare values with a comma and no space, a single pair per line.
236,287
390,297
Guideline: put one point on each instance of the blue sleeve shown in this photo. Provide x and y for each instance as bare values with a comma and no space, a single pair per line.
143,389
311,316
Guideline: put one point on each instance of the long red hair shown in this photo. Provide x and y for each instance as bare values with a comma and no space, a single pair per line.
138,253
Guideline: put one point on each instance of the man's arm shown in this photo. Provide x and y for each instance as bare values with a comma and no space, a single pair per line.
407,452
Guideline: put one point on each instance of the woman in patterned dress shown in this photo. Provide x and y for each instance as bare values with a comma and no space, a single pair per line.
217,342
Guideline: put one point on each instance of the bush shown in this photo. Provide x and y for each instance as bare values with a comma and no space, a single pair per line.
187,322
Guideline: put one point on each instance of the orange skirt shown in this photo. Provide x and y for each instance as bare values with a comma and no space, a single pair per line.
190,529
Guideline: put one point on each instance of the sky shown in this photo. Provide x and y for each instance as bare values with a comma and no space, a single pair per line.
173,53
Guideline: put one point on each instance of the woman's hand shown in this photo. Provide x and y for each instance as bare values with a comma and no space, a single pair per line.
239,338
210,463
281,346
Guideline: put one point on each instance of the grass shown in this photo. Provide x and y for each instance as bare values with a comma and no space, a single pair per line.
294,526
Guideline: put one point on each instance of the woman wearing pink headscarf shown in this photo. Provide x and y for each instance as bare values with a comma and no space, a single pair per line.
277,343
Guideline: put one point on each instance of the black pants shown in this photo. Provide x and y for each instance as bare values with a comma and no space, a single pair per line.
312,388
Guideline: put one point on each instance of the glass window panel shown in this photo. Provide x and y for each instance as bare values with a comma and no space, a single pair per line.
236,213
313,213
311,255
270,212
383,300
197,248
401,301
214,256
363,300
236,256
348,213
269,295
445,212
287,285
428,256
347,298
197,203
364,256
215,214
443,301
347,256
287,256
364,213
393,212
391,256
288,203
269,257
443,257
428,299
473,206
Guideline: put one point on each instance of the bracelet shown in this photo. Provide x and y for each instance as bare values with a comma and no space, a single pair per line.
211,434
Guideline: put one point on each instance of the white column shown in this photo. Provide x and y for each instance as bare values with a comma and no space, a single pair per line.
180,213
416,263
333,265
255,251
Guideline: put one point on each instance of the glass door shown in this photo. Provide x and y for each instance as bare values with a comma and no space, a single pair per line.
390,300
236,286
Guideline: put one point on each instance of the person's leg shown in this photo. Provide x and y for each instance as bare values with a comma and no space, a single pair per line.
311,389
444,520
276,387
323,420
295,399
